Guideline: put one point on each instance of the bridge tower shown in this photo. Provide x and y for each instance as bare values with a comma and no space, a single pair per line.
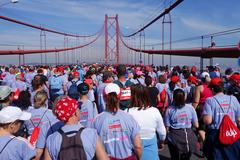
111,28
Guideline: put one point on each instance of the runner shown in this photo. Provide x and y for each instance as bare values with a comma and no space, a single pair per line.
118,130
125,87
214,110
179,119
6,96
81,143
149,120
11,147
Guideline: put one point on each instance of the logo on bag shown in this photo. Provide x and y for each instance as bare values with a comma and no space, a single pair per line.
231,133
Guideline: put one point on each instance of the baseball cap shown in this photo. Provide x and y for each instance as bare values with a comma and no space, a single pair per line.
10,114
111,88
5,91
235,76
83,88
175,79
215,82
75,74
88,81
205,74
65,108
192,79
139,73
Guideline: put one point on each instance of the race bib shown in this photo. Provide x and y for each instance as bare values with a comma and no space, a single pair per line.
125,94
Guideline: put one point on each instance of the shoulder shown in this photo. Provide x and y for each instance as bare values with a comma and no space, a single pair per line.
89,132
129,83
23,142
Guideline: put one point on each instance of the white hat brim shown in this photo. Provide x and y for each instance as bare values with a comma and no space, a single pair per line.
25,116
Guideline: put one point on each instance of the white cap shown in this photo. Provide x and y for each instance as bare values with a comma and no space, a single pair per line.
5,91
112,87
205,74
11,114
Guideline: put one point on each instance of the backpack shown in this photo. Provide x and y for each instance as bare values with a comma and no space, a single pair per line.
73,91
36,131
228,131
71,147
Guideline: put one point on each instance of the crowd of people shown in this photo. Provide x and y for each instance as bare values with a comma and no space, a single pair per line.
118,112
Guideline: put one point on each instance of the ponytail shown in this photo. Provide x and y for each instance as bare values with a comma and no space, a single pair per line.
112,102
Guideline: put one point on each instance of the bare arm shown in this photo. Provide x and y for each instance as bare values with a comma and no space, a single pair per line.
238,122
47,155
100,152
138,147
39,153
196,97
207,119
195,124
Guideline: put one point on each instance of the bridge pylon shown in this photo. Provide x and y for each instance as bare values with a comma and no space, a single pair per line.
111,28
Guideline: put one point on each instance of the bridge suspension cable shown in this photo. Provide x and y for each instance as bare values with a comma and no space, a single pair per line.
22,52
45,29
166,11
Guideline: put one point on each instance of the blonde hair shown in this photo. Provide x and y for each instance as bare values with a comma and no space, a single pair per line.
40,99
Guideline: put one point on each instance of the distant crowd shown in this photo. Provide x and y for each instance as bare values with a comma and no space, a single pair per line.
118,112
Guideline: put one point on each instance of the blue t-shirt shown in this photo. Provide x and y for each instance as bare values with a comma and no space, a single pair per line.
88,137
88,113
38,118
213,109
117,132
46,130
179,118
100,93
57,82
17,149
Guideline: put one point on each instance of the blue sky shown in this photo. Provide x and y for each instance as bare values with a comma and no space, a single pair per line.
191,18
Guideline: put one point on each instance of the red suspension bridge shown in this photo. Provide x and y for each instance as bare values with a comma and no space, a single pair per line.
120,48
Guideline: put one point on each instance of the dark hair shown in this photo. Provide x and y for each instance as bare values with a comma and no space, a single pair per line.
148,80
171,85
179,98
121,70
162,79
112,102
140,97
23,100
37,82
217,88
83,88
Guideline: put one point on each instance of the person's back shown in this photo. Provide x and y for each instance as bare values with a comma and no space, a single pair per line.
125,94
205,93
150,121
88,112
226,102
214,110
124,127
88,137
15,148
39,117
58,143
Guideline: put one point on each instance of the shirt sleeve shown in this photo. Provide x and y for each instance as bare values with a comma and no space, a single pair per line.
28,151
207,110
161,130
194,116
167,118
236,105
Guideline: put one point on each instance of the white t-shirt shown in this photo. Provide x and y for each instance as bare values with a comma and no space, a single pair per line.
150,121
